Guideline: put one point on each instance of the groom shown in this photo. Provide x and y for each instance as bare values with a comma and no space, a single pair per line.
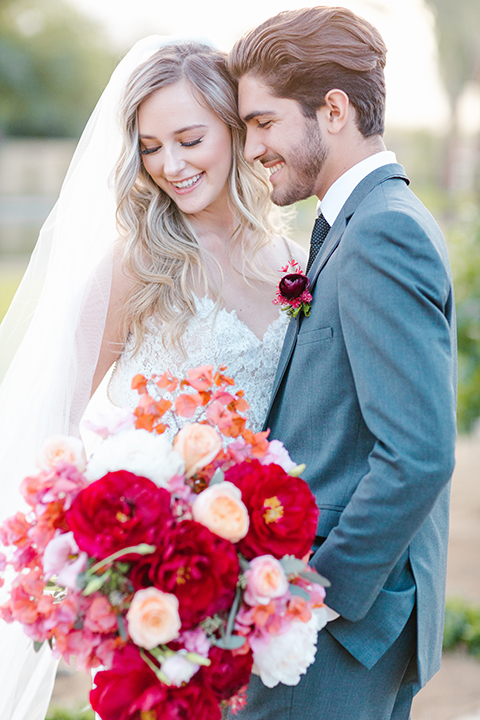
365,388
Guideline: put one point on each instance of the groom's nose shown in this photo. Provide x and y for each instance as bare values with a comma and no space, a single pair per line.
254,148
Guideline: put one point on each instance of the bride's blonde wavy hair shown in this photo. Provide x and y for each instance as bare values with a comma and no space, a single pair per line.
161,249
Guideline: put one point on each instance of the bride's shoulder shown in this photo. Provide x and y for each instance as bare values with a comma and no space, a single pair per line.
288,249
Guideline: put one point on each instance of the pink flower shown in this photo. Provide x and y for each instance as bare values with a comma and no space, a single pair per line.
3,562
115,421
221,510
62,449
153,618
266,580
195,641
56,560
278,454
100,617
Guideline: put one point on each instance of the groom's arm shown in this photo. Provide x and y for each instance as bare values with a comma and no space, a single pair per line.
395,297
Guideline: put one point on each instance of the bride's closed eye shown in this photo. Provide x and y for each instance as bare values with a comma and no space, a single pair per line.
149,151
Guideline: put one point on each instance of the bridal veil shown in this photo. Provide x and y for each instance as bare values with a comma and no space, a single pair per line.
49,345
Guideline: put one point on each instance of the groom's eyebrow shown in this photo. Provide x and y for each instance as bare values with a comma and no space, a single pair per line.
257,113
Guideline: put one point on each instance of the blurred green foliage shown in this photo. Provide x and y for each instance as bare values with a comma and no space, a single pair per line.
462,626
54,64
464,246
65,714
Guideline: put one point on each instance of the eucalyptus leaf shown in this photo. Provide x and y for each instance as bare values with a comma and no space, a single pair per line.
218,477
121,628
230,643
244,564
315,577
296,590
292,565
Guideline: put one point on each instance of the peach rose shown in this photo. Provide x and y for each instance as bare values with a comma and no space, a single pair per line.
62,448
198,445
153,618
266,580
221,510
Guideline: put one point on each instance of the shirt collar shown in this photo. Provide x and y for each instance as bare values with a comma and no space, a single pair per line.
337,194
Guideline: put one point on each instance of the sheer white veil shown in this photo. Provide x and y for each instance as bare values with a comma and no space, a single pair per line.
49,345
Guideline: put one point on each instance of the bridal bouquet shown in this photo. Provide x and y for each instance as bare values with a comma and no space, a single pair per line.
178,568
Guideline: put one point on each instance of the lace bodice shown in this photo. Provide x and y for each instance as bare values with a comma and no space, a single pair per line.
210,339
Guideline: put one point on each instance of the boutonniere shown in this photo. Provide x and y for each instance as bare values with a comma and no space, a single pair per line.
293,291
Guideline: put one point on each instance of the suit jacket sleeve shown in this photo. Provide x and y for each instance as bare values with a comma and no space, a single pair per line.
395,301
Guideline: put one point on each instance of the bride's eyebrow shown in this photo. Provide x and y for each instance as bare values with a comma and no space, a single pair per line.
176,132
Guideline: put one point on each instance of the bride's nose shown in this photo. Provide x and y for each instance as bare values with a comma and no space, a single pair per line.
173,163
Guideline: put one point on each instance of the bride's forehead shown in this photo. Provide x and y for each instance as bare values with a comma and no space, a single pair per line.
173,107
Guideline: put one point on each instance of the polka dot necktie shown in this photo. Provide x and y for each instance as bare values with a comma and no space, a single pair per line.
319,233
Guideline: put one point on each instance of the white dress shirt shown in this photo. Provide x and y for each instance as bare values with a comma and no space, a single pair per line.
337,194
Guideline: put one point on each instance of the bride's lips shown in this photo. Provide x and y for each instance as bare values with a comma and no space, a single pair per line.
182,187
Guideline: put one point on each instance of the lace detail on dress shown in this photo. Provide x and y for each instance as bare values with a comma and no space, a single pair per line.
210,339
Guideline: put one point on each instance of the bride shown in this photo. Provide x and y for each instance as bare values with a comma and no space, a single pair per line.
168,263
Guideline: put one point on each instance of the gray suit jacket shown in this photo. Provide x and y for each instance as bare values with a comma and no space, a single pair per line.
365,396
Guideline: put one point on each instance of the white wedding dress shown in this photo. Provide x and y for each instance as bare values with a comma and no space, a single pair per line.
212,338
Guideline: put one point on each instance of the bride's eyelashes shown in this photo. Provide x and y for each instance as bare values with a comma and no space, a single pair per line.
190,143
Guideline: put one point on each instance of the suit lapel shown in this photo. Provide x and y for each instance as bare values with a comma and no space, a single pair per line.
386,172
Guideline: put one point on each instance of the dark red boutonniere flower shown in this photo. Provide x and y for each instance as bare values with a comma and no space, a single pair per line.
293,291
283,513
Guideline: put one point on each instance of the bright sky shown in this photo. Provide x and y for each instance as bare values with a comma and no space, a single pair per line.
415,97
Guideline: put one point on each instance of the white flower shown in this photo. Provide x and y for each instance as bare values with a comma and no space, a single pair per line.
179,669
287,656
139,452
62,448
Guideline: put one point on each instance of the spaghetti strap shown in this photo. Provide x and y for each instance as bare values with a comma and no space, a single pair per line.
289,250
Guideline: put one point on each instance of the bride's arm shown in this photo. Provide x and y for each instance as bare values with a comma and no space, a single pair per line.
114,336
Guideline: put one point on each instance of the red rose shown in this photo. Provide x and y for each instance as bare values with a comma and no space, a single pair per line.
117,511
283,513
227,674
130,689
127,688
293,285
200,568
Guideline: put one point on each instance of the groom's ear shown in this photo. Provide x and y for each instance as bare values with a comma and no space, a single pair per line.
336,112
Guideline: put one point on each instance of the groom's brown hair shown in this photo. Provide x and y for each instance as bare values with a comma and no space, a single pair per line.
302,54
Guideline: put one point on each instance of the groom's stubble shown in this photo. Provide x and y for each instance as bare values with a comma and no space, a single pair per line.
304,161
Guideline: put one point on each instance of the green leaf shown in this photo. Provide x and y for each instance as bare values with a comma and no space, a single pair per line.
315,577
296,590
218,477
121,628
96,583
37,645
292,565
230,643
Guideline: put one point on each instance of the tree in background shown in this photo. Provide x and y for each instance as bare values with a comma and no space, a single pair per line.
54,64
457,29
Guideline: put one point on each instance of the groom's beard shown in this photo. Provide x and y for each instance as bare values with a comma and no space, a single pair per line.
303,164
